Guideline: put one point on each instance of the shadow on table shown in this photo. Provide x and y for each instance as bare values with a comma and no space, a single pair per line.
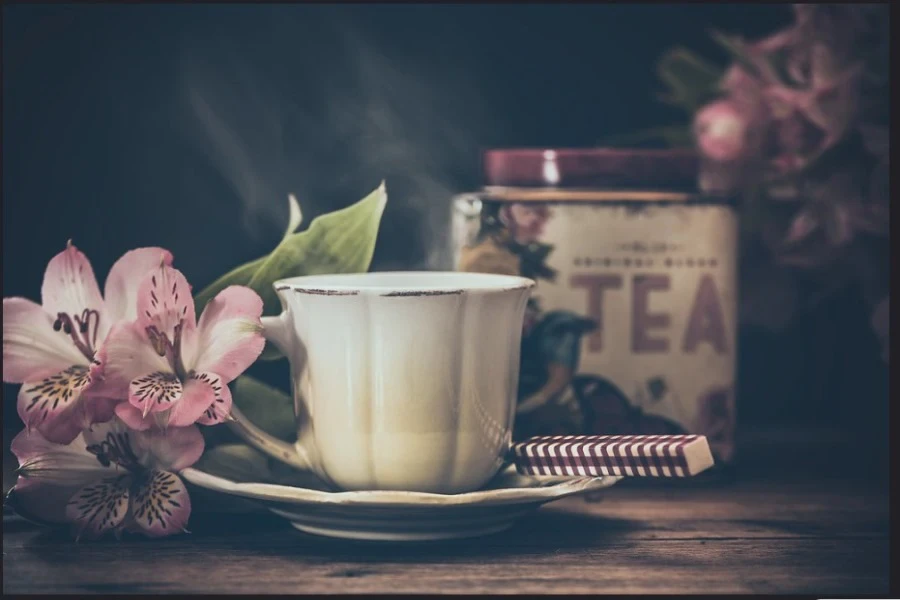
538,533
268,535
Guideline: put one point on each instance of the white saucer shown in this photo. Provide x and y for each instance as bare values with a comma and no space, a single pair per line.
386,515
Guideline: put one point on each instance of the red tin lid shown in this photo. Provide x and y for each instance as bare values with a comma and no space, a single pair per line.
604,168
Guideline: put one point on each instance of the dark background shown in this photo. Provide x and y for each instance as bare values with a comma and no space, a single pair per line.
186,126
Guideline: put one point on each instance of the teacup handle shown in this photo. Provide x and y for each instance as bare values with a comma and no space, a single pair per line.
277,331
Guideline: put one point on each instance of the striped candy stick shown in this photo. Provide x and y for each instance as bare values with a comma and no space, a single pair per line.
626,455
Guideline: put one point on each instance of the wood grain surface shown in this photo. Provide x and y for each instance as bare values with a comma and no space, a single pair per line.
810,527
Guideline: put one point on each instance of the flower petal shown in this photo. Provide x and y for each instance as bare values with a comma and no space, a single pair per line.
164,302
97,410
742,87
172,449
220,409
134,418
99,507
42,403
125,277
41,460
801,227
161,505
69,284
31,348
199,395
229,333
155,392
41,502
126,355
64,428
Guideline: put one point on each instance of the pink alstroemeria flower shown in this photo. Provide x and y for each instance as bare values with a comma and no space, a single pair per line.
172,369
50,348
108,479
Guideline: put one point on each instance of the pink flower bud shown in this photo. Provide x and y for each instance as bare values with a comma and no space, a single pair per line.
721,131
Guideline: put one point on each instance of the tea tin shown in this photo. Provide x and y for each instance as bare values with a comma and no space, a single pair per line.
632,325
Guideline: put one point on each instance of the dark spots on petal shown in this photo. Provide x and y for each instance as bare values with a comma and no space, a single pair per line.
154,498
58,389
160,387
98,507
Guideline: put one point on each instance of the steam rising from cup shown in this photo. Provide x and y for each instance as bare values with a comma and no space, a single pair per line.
328,130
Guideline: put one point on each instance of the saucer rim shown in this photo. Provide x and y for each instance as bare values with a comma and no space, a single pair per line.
272,492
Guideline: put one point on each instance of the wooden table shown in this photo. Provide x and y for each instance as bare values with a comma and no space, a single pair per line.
812,524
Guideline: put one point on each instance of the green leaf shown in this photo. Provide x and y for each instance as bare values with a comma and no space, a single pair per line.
691,79
238,276
342,241
267,407
295,217
737,48
238,462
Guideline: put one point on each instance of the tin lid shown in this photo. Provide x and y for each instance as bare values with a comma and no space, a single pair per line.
673,170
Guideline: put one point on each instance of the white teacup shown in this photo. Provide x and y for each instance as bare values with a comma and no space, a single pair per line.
402,381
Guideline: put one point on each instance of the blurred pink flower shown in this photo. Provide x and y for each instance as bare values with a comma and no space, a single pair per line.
721,129
108,479
51,348
791,99
822,111
799,89
742,88
525,222
172,369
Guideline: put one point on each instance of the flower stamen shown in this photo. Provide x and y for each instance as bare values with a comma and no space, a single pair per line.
176,351
171,350
82,329
116,448
158,340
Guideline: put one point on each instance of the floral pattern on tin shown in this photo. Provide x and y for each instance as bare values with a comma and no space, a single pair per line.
525,221
715,420
554,398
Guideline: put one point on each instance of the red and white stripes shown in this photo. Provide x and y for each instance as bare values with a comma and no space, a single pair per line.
626,455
